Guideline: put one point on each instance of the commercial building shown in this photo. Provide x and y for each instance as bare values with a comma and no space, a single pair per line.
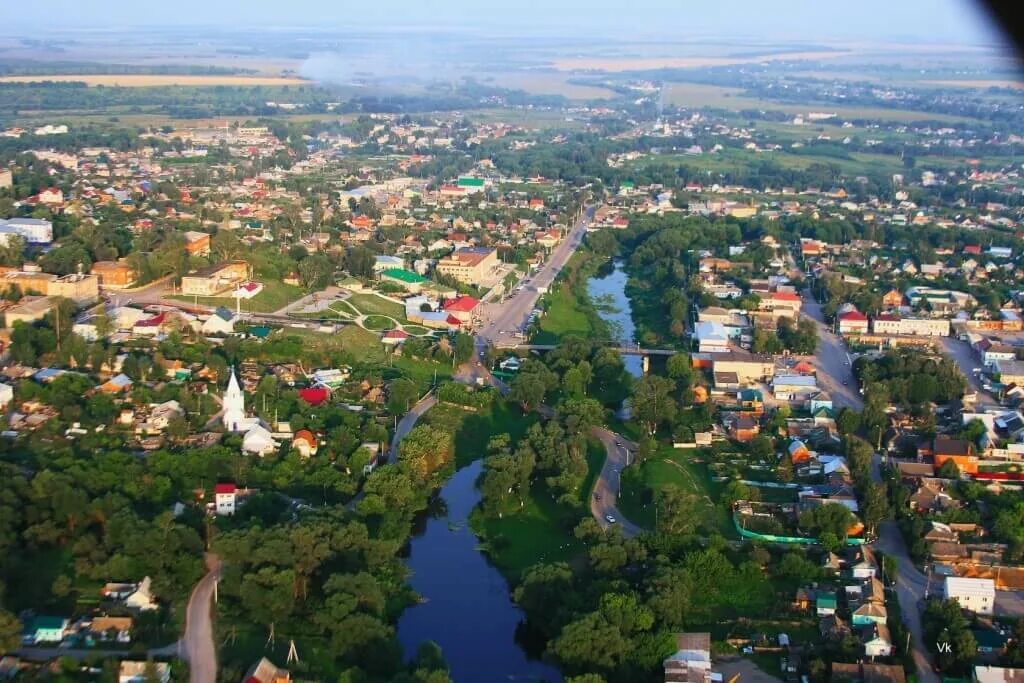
34,230
711,337
29,310
215,279
748,367
406,279
889,323
852,322
114,274
197,243
976,595
471,265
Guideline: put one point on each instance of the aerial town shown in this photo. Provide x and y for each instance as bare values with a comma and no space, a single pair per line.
698,374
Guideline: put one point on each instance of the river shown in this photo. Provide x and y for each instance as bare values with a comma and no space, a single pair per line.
467,609
607,289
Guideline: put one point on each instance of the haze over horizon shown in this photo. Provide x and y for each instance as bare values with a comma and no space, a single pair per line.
959,22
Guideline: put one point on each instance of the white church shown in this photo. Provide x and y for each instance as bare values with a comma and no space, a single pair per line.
258,438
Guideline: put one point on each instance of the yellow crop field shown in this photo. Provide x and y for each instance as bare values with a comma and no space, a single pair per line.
645,63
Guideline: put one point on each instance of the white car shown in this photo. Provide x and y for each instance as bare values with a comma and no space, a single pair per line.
611,520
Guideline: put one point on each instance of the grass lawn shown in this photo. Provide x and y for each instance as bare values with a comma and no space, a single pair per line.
378,322
275,295
473,430
670,467
563,317
416,330
542,530
370,304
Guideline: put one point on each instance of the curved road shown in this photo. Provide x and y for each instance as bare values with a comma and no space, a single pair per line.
608,484
196,645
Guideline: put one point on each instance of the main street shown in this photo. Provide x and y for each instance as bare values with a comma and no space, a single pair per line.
501,320
835,367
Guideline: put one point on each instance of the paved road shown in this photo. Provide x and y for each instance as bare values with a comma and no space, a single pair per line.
406,424
608,484
197,646
964,356
510,315
832,360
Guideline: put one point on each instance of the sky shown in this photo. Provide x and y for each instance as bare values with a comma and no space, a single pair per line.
939,21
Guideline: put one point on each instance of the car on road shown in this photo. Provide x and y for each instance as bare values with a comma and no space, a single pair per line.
611,520
618,443
597,496
845,382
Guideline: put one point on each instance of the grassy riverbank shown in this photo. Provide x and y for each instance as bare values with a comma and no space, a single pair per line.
568,308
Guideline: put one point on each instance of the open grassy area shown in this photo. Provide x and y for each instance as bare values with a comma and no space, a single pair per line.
670,467
473,430
371,304
378,322
275,296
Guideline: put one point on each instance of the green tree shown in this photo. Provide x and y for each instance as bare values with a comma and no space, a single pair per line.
652,402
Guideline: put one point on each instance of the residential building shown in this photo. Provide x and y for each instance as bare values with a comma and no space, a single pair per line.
1009,371
259,441
142,598
46,629
222,321
998,674
6,179
959,451
197,243
215,279
305,443
461,308
691,662
29,310
852,322
6,395
876,640
747,366
975,595
711,337
265,671
224,498
138,672
406,279
111,629
114,274
780,304
470,265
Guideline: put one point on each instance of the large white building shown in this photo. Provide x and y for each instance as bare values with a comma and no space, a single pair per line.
976,595
34,230
888,323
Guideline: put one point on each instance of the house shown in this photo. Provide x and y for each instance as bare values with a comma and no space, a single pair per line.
259,441
869,613
6,395
117,384
461,308
383,262
197,243
46,629
141,598
744,428
863,565
265,671
394,337
975,595
1009,371
711,337
406,279
29,309
221,322
114,274
834,628
107,629
225,497
958,451
892,299
825,604
876,640
852,322
691,662
33,230
305,443
144,672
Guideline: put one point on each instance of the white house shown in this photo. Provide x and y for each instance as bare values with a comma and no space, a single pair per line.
259,441
34,230
711,337
6,395
976,595
876,639
141,598
221,322
224,497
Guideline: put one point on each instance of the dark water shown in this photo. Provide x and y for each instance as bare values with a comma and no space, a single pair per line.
467,610
607,290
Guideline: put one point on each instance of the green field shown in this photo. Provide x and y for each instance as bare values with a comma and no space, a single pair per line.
275,296
670,467
371,304
378,322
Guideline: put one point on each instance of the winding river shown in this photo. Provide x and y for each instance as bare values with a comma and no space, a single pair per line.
467,609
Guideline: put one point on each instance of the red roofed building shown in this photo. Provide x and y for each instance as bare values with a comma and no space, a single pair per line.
305,443
224,499
314,396
394,337
461,308
973,249
536,203
781,304
852,322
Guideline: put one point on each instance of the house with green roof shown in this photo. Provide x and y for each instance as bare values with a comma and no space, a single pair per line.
46,629
826,604
471,184
406,279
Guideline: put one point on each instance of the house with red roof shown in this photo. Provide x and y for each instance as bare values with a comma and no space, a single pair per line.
305,443
395,337
225,497
852,322
314,396
461,308
973,249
